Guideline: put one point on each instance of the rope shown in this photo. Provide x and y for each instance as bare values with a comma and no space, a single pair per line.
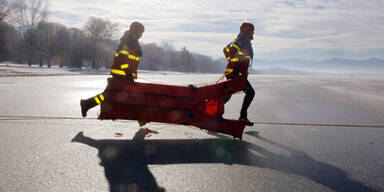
151,81
318,124
197,85
6,117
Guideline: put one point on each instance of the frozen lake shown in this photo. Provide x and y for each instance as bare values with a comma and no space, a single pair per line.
38,155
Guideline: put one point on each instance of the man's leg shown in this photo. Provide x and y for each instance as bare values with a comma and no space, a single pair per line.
90,103
249,94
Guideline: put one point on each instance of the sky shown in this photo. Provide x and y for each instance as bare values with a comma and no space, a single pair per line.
296,29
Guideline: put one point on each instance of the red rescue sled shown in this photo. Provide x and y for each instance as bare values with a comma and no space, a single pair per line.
202,107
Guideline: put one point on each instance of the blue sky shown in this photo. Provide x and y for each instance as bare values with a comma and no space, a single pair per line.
302,29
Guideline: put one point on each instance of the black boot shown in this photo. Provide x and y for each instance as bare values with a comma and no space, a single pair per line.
86,105
249,123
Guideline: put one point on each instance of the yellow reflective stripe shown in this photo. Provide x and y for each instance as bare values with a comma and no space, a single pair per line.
228,71
134,75
124,52
237,47
248,57
134,57
124,66
235,59
240,53
116,54
101,97
97,100
118,72
227,49
228,58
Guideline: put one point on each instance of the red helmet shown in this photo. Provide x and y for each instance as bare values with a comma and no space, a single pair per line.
247,28
137,28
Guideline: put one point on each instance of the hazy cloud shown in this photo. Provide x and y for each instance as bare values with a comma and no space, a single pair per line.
323,26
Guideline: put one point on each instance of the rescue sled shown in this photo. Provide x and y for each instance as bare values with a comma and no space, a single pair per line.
202,107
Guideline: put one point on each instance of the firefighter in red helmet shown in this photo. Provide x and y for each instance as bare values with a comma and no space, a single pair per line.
125,63
239,54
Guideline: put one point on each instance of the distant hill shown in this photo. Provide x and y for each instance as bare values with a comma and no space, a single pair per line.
335,64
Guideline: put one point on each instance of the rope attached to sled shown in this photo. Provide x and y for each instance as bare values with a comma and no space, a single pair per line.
9,118
221,78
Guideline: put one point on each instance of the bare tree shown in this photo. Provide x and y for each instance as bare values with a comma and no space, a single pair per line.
51,38
4,41
6,9
64,40
154,57
187,61
77,47
29,14
106,52
6,12
99,30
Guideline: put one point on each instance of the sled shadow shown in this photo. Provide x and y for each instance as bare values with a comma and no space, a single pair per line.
126,162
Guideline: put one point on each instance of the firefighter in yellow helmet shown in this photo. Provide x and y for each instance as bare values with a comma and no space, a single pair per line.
125,63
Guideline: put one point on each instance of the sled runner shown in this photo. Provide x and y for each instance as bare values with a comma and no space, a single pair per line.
202,107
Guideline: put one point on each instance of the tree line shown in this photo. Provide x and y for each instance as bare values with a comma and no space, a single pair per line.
27,37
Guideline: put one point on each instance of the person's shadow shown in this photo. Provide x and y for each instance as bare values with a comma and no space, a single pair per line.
126,161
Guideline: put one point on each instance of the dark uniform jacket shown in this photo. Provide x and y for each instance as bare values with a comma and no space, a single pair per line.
239,54
127,57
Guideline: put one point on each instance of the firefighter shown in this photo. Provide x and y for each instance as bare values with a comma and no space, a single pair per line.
125,63
239,54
